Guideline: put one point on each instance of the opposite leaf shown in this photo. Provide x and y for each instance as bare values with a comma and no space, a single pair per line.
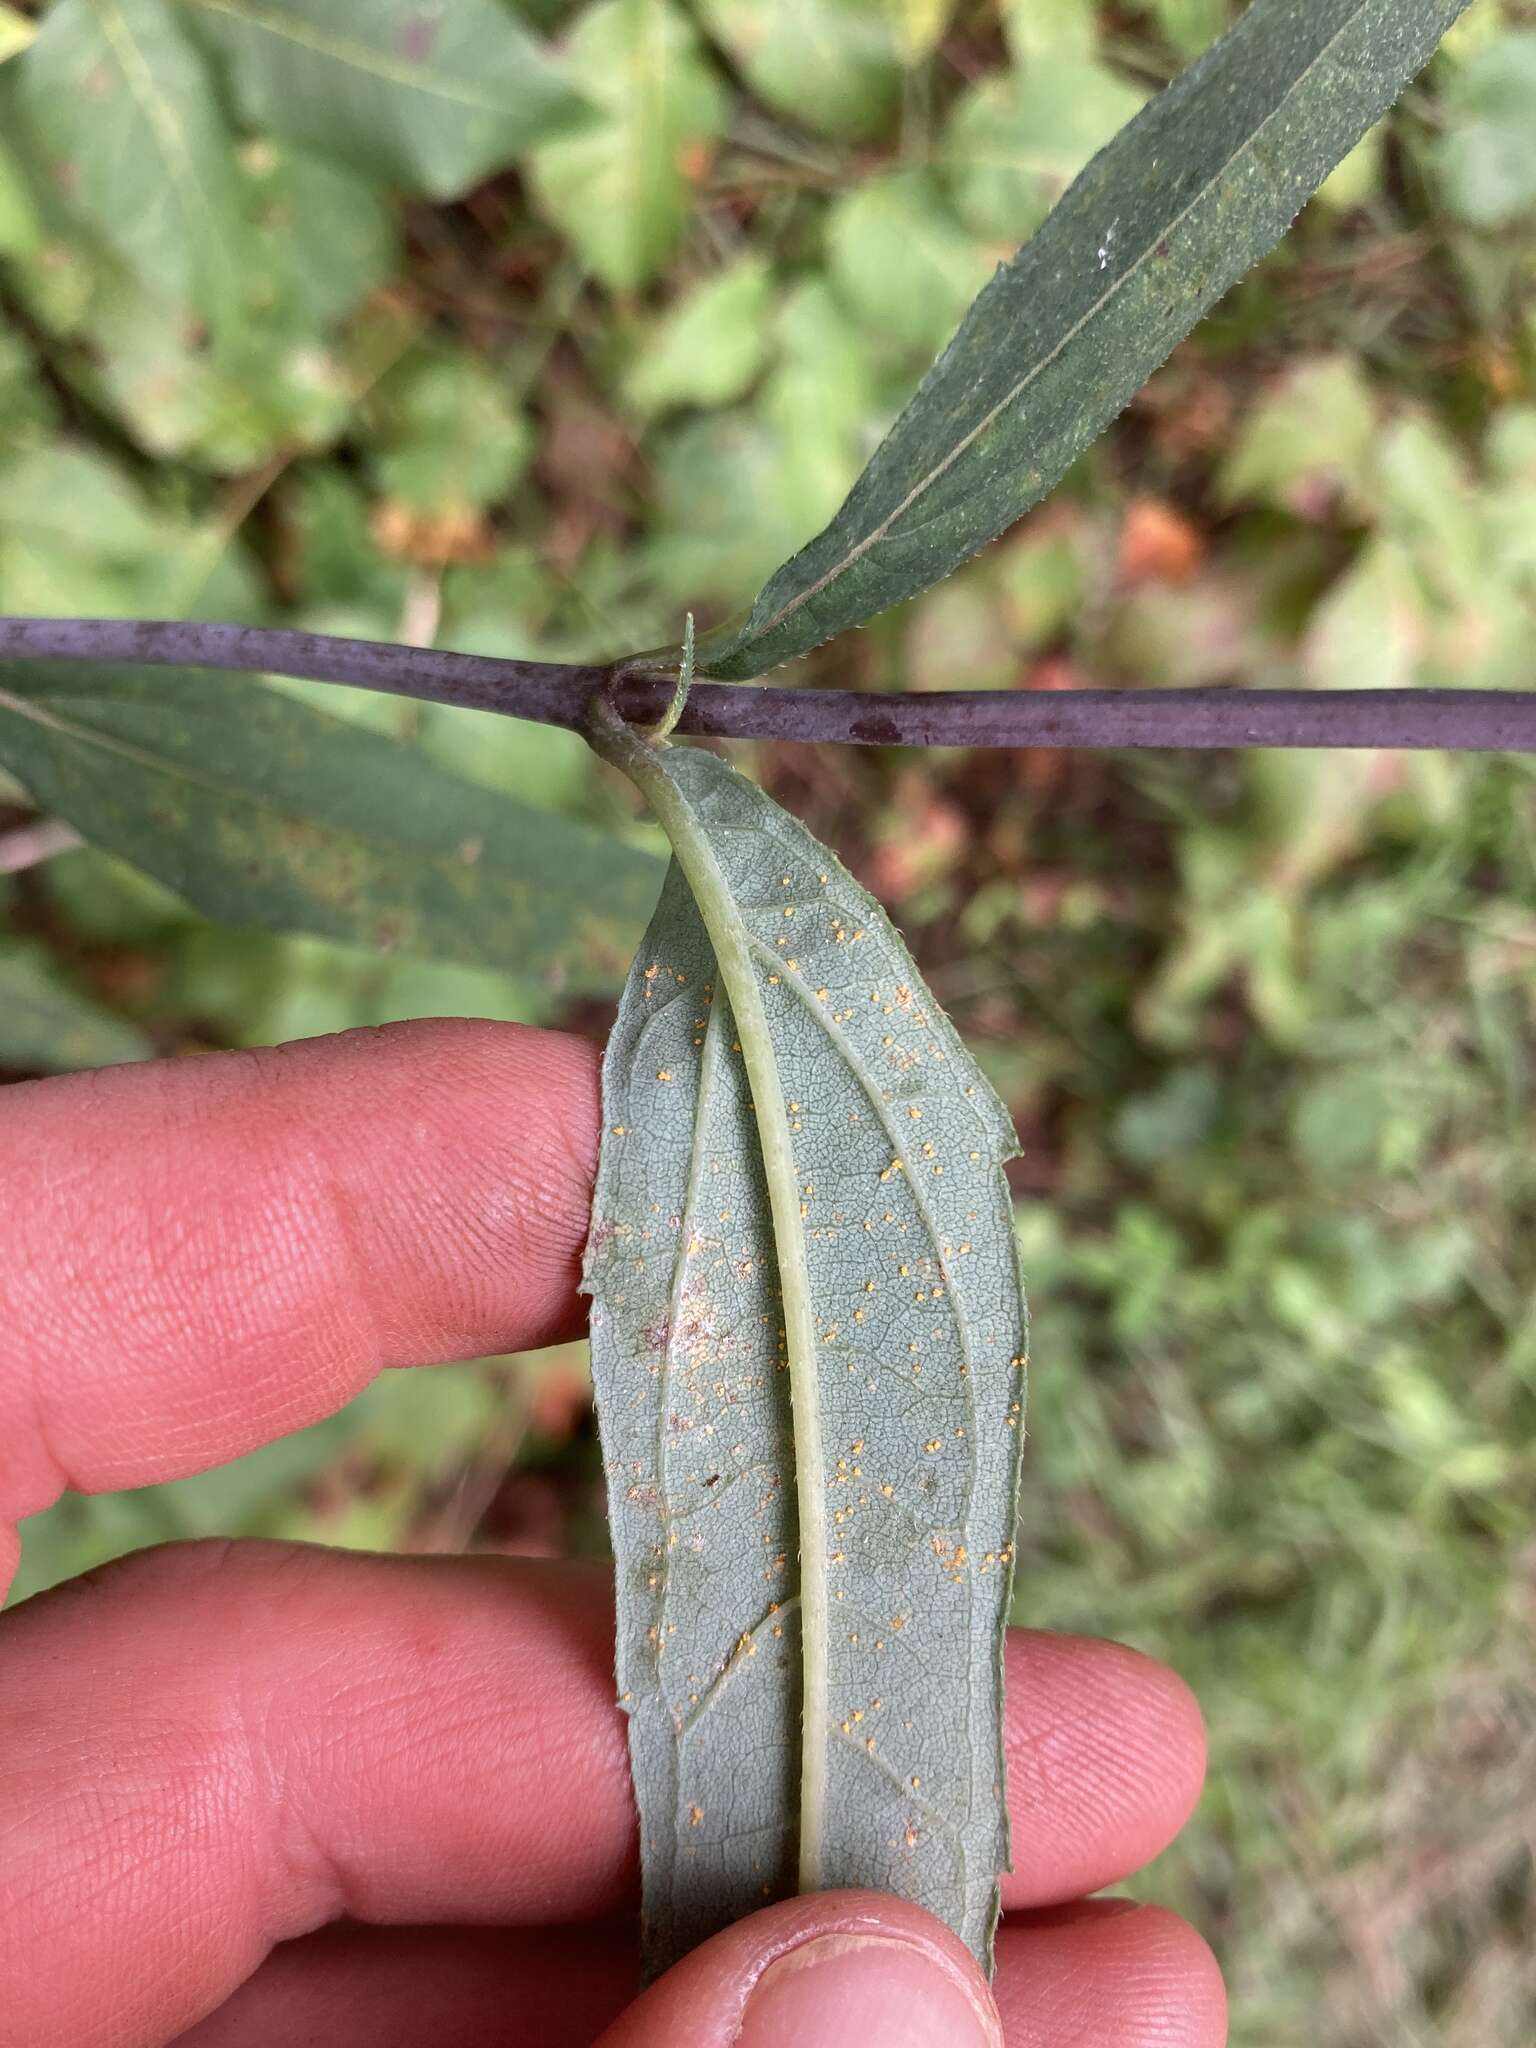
259,810
808,1350
1195,190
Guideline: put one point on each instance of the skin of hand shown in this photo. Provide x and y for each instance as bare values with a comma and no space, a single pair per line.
262,1792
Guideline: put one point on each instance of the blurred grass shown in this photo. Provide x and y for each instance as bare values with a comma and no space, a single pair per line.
1268,1023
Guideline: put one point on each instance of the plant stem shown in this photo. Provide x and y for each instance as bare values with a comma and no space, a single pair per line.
641,761
557,693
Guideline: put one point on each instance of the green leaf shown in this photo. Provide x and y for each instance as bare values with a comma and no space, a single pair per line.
1015,142
1190,24
448,438
1196,189
1487,157
734,489
17,32
807,1344
901,262
721,504
121,111
259,810
709,346
821,406
1051,28
20,230
620,188
1369,631
178,400
47,1028
1311,436
831,65
76,536
324,238
429,94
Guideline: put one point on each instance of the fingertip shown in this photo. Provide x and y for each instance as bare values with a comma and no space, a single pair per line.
1106,1760
488,1184
826,1968
210,1253
1110,1971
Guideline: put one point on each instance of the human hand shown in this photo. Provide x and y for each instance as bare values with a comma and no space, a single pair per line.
276,1794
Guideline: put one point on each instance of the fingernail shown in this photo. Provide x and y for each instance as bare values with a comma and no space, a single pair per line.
866,1991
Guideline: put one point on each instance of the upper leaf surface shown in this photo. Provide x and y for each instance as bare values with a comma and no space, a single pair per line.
1199,186
619,188
1487,155
261,811
120,109
429,94
1016,140
917,1332
830,65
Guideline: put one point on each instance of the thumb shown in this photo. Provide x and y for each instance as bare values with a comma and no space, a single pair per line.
824,1971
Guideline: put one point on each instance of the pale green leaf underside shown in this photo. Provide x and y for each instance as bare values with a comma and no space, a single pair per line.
1184,200
918,1325
259,810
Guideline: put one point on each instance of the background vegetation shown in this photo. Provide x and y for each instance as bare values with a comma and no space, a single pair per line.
533,381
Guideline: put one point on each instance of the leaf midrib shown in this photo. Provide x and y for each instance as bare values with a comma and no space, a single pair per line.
839,1040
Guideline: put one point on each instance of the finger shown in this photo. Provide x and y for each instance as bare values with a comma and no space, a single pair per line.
263,1737
1110,1973
1105,1972
213,1747
206,1254
403,1987
1106,1759
819,1972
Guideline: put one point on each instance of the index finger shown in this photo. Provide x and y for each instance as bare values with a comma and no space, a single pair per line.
203,1255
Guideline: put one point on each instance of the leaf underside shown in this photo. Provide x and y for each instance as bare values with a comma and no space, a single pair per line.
259,810
1162,222
919,1341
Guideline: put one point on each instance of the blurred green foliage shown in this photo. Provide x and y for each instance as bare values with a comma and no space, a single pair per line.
522,330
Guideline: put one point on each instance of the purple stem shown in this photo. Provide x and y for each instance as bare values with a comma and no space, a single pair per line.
555,693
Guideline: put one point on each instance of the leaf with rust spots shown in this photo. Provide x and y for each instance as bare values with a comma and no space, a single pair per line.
811,1591
260,810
